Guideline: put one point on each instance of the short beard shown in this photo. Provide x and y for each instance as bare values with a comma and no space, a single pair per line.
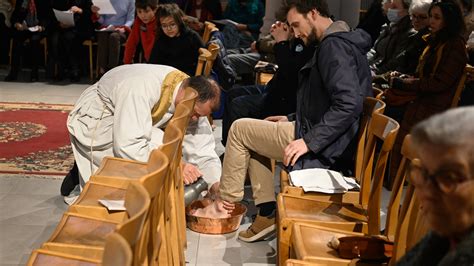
312,38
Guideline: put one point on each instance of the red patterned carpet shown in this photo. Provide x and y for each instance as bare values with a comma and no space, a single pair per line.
34,139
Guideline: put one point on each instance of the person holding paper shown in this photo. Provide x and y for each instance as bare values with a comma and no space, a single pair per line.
321,133
112,32
65,40
30,19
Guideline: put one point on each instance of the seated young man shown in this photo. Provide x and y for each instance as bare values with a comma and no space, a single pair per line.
320,134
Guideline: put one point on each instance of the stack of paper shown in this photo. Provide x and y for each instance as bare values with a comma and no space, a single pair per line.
322,180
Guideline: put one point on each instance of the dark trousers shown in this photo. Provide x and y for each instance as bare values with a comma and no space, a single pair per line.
108,46
18,49
246,101
64,48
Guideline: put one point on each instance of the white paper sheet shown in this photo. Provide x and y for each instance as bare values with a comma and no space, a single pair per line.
64,17
105,7
113,205
322,180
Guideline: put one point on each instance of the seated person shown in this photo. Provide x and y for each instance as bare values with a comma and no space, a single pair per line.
320,134
65,41
143,30
375,18
175,45
112,33
201,11
123,113
393,39
278,97
30,20
248,14
444,184
407,61
431,90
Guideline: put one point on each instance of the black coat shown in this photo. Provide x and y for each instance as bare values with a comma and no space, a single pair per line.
290,57
333,85
180,52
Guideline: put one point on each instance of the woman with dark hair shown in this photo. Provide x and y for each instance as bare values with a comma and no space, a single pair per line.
439,69
175,45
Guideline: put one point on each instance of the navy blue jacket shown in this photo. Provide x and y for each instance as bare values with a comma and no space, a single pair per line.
332,88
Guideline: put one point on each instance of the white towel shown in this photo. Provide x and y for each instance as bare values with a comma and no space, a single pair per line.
322,180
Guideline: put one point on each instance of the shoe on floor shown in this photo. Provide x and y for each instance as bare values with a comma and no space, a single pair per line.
70,181
260,229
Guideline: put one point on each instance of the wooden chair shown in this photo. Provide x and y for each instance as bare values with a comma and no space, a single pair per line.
90,44
114,187
80,230
370,107
378,93
206,62
117,252
178,218
209,27
162,246
43,41
206,59
310,241
346,216
468,70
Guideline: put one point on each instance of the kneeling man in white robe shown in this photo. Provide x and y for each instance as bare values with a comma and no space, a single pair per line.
124,113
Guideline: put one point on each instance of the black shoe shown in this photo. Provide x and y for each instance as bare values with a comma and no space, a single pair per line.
11,77
70,181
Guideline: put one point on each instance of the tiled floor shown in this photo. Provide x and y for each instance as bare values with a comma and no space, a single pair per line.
31,207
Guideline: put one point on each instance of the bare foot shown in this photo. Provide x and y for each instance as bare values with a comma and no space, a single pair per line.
215,210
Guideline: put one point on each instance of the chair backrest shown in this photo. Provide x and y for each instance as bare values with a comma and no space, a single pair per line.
117,251
189,99
385,129
209,27
468,70
378,93
408,214
137,203
397,190
157,167
206,59
181,118
371,106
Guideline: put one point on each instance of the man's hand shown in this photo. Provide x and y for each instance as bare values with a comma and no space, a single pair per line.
75,9
293,151
95,9
190,173
277,118
20,26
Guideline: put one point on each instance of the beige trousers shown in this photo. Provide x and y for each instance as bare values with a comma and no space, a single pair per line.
250,146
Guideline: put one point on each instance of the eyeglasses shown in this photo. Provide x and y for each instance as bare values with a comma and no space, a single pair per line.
171,26
418,17
445,180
